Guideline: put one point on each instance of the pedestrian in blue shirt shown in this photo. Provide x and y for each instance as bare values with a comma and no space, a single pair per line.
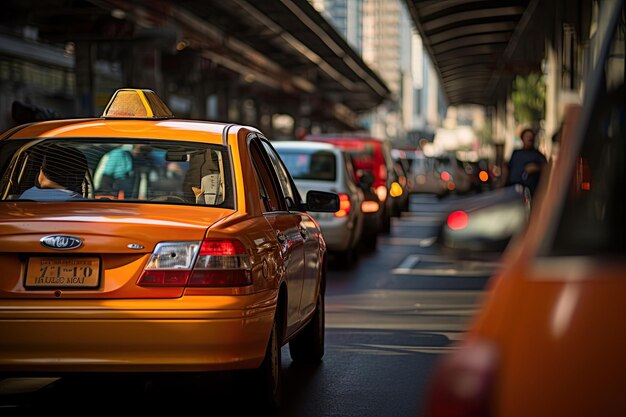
526,164
126,171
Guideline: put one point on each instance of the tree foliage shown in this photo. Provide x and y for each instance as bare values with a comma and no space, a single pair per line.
529,98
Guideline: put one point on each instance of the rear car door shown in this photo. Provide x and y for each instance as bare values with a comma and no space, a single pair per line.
286,225
308,232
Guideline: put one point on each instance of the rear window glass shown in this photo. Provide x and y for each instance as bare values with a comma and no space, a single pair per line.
313,165
363,154
147,171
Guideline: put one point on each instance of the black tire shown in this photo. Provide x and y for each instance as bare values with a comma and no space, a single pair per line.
270,372
308,345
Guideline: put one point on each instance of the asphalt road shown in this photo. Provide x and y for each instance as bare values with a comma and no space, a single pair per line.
387,320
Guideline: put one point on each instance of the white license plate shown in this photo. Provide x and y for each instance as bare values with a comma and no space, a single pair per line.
62,272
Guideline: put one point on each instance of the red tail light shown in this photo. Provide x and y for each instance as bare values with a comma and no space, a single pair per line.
221,263
381,192
369,206
221,247
445,175
463,383
164,278
457,220
344,206
382,172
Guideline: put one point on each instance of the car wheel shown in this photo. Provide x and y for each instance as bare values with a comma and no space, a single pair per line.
270,372
308,346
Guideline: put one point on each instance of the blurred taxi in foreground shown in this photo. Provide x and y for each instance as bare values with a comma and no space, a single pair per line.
322,166
551,336
136,242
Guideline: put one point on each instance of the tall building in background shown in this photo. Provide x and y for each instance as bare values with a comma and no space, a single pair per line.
423,103
393,47
381,51
390,45
346,16
381,40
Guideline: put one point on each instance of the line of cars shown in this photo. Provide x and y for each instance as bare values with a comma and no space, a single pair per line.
443,174
360,170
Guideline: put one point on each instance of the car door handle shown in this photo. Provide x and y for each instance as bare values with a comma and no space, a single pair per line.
281,237
303,232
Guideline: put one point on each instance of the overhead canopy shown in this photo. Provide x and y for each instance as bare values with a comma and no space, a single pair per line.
285,45
292,35
477,46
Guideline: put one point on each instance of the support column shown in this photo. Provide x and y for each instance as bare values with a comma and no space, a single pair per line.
84,78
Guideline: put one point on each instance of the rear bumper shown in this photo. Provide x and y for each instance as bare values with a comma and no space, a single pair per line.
193,333
371,224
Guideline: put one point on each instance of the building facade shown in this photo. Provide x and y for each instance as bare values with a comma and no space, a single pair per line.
346,16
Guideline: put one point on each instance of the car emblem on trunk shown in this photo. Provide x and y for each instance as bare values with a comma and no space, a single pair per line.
61,242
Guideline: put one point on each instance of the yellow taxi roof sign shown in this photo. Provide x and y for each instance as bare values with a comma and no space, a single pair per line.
133,103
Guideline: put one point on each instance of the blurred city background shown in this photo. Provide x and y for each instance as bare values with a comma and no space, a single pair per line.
445,87
404,70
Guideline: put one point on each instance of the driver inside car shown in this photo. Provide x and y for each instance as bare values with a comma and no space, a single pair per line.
60,177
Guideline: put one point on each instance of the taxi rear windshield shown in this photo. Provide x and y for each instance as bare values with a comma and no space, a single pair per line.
145,171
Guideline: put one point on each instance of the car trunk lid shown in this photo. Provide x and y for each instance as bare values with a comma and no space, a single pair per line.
91,250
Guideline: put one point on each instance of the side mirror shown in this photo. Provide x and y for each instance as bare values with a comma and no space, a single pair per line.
322,201
487,223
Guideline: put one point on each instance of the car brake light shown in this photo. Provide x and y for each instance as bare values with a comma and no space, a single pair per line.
221,263
369,206
170,264
381,192
445,176
395,190
344,206
382,171
463,382
457,220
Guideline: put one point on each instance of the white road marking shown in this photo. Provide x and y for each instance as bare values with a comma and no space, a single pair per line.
409,262
444,267
442,272
410,241
394,350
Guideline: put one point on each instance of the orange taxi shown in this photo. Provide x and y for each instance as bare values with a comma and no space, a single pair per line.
550,338
139,242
